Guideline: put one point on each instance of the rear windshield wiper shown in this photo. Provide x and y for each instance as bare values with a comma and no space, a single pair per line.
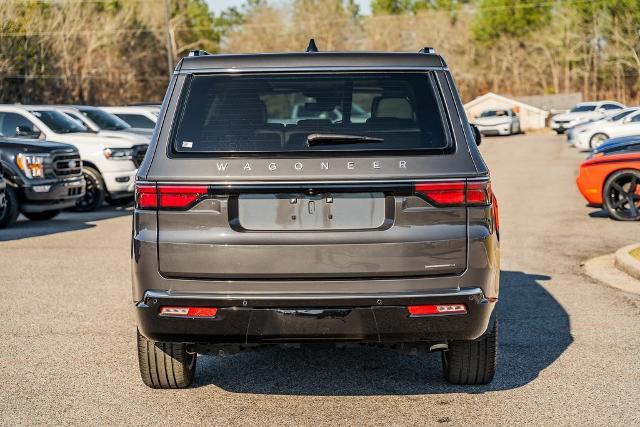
332,138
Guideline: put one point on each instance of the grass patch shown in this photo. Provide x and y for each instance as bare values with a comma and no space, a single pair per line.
635,253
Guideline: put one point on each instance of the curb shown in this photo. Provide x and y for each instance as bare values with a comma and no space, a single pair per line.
602,269
625,262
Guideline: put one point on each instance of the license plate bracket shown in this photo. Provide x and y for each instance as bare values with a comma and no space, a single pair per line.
302,212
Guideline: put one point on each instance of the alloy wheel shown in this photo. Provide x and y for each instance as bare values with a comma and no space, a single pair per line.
623,196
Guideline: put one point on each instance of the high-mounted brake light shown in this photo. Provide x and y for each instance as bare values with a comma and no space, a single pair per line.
436,309
152,196
188,311
455,193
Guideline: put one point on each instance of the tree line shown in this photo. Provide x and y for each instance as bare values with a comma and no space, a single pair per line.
120,51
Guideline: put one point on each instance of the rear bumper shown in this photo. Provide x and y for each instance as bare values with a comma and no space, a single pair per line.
375,318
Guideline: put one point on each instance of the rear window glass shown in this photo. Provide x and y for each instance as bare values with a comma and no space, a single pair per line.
307,113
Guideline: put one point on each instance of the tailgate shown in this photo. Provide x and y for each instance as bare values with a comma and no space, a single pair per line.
312,231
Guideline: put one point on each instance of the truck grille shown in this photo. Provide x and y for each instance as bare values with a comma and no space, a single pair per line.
138,154
67,164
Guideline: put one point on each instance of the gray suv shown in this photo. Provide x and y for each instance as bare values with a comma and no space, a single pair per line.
252,228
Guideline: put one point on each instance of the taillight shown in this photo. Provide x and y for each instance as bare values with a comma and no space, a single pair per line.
146,196
442,193
496,213
436,309
455,193
180,196
152,196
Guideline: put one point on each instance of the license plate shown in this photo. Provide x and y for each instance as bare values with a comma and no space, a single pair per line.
298,212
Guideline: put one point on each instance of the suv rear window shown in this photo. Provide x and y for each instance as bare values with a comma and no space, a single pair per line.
307,113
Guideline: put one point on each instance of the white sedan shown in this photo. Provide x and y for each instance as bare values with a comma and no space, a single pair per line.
498,122
626,123
582,113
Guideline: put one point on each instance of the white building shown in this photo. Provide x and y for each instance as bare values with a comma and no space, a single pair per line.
530,117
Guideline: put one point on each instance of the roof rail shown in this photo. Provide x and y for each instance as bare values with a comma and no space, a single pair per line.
427,49
312,48
198,52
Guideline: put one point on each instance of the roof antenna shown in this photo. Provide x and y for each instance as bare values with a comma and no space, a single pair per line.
312,46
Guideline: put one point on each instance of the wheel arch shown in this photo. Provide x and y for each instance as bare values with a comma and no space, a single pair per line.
87,163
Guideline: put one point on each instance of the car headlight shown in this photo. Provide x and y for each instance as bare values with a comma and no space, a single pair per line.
118,153
32,165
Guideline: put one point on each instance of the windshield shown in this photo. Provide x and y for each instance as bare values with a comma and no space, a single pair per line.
275,113
583,108
494,113
621,115
59,122
104,120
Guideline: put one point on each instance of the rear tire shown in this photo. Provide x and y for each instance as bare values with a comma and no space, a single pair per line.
94,193
165,365
472,362
9,214
41,216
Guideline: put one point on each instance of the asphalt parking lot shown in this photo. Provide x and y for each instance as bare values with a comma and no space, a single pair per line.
568,346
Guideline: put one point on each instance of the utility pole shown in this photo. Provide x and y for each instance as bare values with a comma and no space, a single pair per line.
167,18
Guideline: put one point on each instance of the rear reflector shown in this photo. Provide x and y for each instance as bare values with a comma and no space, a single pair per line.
436,309
188,311
150,196
455,193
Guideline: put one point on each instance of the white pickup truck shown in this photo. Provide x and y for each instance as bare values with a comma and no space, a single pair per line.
109,163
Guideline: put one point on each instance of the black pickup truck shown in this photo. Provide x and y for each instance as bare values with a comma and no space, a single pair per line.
42,178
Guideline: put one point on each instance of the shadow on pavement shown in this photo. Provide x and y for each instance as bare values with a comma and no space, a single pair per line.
534,332
600,213
66,221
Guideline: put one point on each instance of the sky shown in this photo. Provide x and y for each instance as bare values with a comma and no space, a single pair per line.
219,5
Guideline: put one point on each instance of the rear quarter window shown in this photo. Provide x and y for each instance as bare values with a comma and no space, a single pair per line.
306,113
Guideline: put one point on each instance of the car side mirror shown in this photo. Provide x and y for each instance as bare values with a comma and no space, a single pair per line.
476,134
27,132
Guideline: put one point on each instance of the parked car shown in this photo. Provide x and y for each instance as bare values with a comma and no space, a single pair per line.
137,116
625,144
498,122
106,124
109,164
42,179
594,136
588,126
611,179
249,232
582,113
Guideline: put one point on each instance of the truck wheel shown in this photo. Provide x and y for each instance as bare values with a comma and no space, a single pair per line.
165,364
95,192
472,362
41,216
9,214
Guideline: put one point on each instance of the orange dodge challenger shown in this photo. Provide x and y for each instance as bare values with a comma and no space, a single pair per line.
611,179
